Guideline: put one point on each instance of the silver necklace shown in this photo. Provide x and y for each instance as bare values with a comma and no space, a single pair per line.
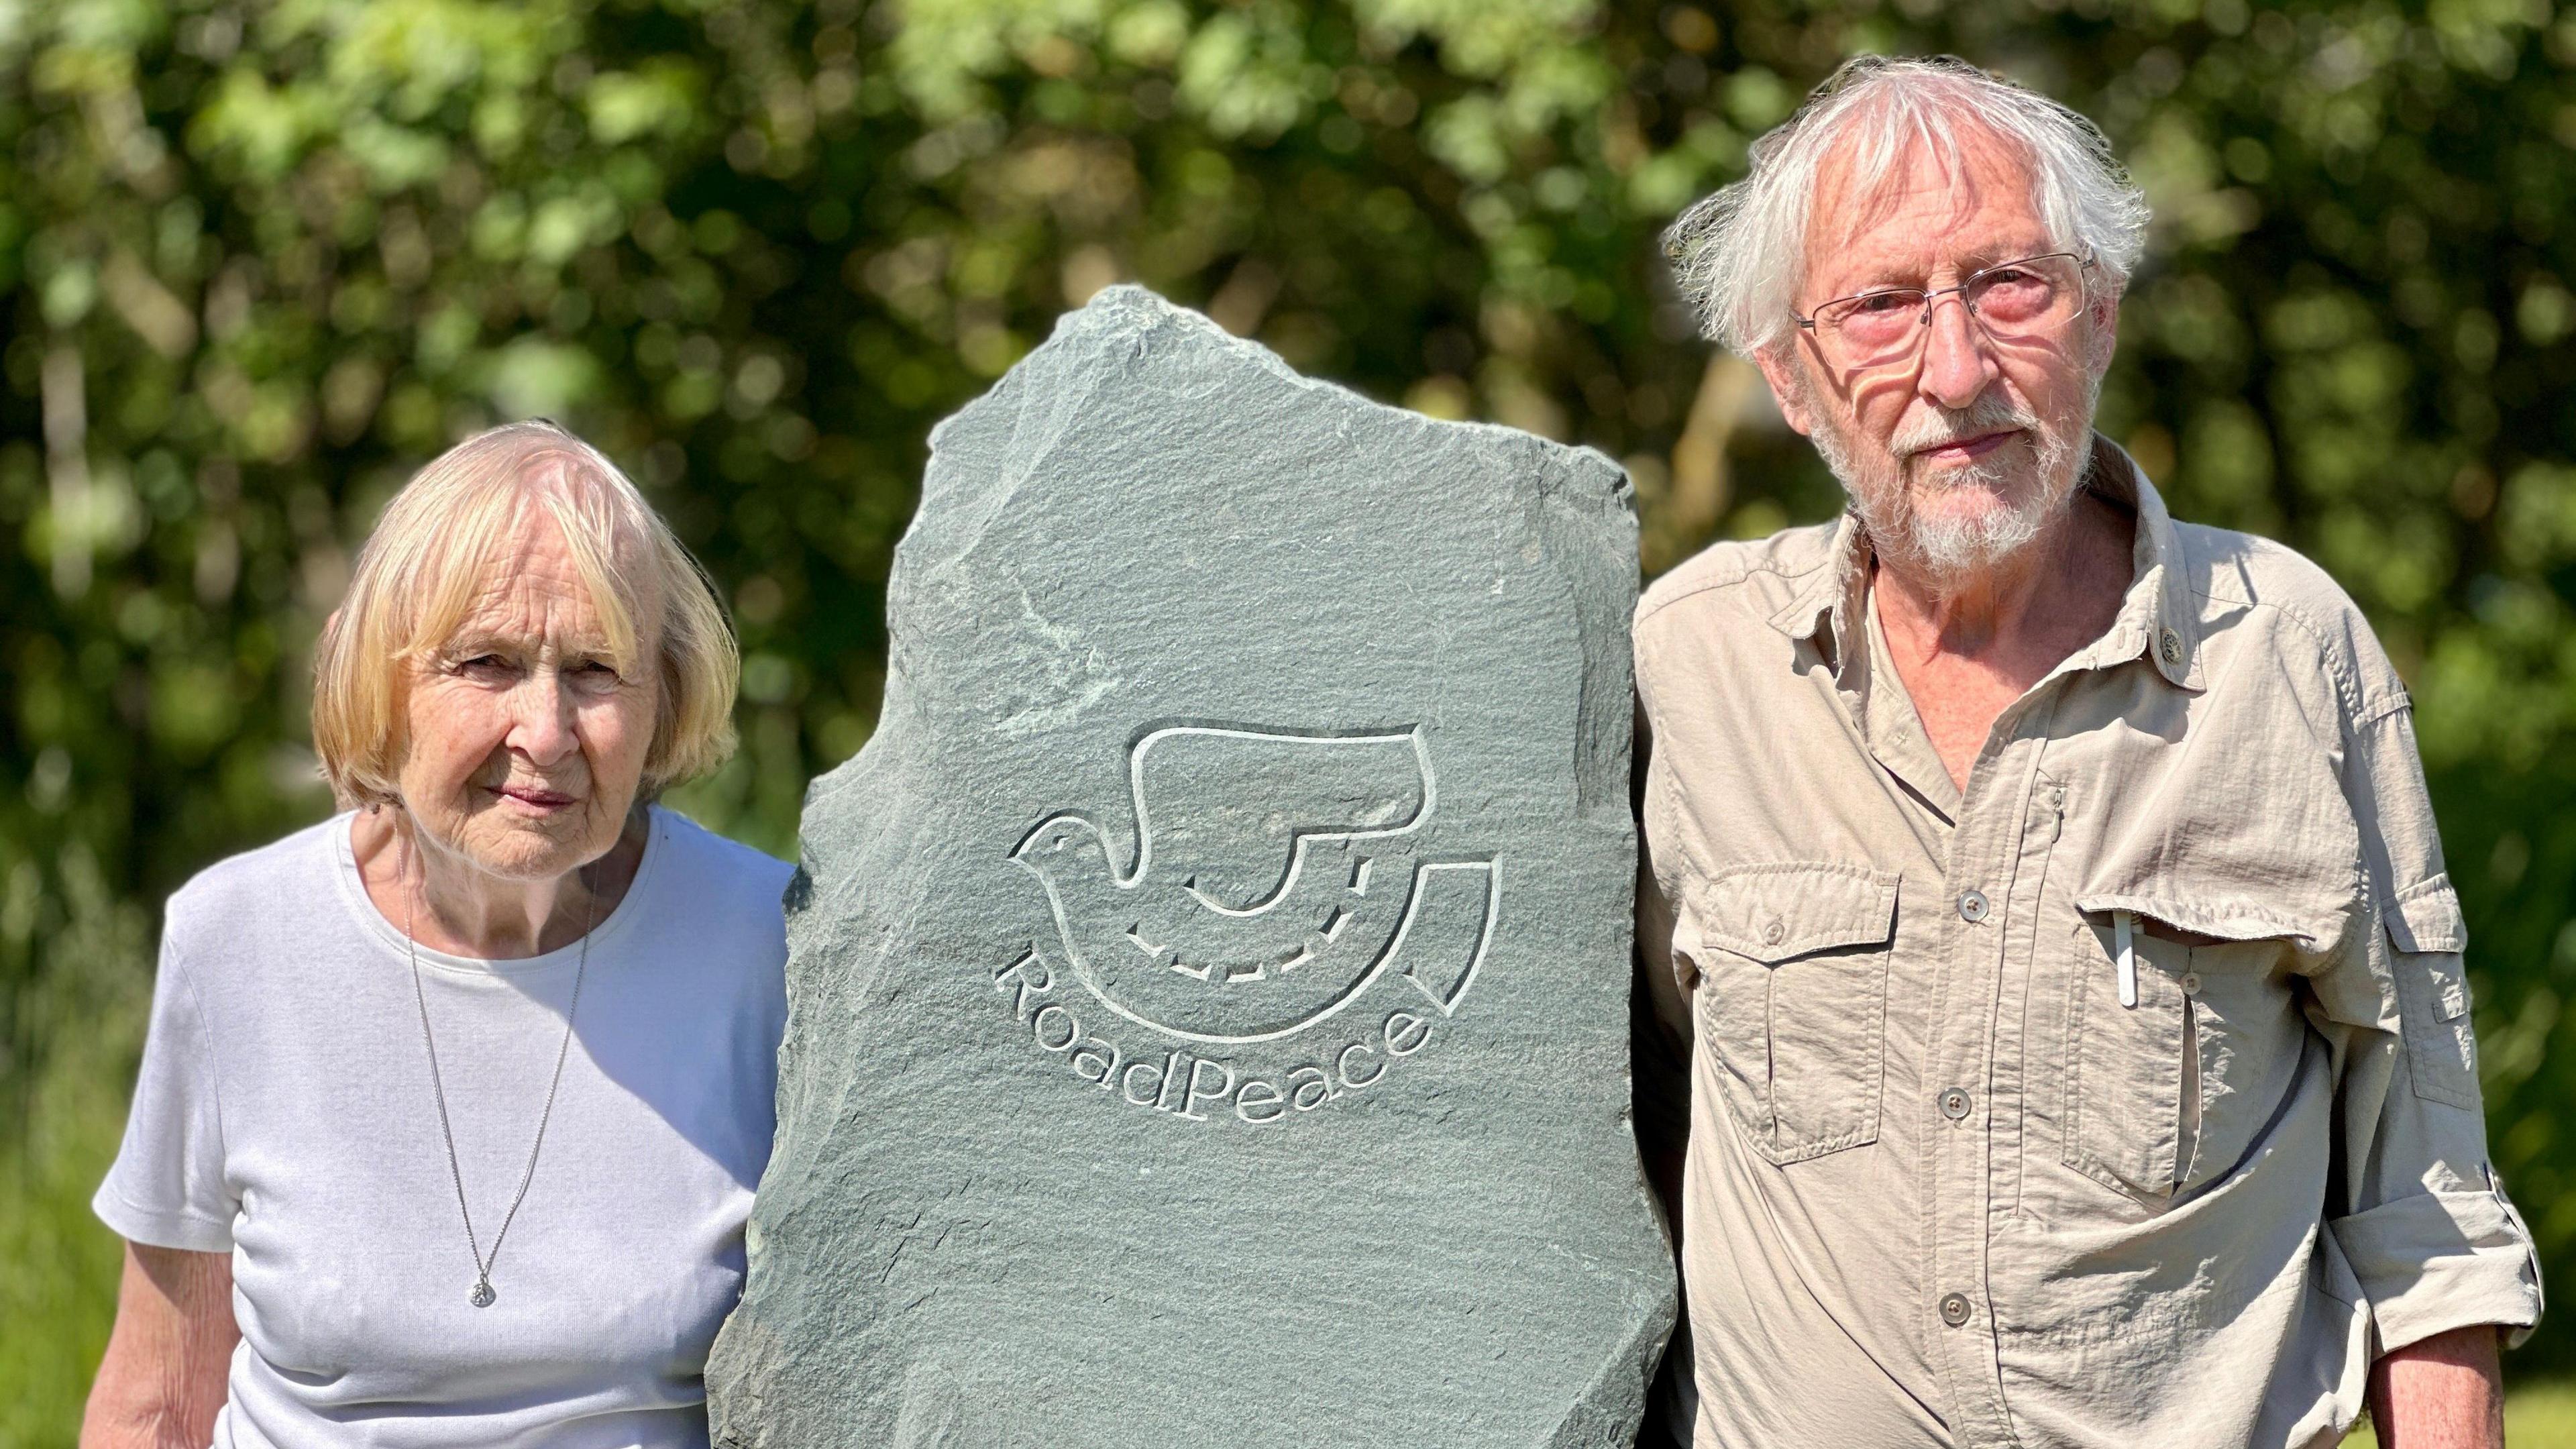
483,1295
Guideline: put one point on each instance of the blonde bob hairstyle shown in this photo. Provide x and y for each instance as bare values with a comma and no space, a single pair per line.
435,550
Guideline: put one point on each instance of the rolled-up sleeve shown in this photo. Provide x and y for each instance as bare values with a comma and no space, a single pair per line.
2425,1224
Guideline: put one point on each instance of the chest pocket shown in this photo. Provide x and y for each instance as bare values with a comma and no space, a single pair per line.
2426,927
2169,1082
1793,962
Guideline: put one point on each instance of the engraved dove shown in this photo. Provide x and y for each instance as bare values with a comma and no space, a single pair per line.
1269,879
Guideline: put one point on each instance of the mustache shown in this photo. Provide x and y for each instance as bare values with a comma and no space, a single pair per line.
1989,413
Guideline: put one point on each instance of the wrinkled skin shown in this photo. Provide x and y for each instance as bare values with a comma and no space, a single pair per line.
526,751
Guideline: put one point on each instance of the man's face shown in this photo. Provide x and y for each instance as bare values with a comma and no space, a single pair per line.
1959,452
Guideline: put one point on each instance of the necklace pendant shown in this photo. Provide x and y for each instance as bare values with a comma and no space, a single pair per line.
482,1297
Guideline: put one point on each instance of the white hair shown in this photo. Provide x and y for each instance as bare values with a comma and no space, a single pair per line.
1944,548
436,550
1740,254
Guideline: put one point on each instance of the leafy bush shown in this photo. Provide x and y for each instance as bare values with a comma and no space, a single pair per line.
260,258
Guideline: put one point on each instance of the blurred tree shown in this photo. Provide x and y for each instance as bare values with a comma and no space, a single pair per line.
260,258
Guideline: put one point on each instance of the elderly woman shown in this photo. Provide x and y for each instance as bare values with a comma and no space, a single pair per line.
452,1105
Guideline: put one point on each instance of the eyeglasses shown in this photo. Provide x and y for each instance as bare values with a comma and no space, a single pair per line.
2010,300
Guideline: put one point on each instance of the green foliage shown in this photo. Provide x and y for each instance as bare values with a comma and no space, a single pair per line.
58,1266
260,258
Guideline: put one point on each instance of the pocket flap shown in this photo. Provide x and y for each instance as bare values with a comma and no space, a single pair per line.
2427,917
2218,920
1777,911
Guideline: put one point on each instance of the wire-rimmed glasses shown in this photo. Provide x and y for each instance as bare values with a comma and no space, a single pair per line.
2010,300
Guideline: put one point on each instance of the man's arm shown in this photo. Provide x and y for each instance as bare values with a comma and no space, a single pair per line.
2442,1393
2445,1392
2445,1261
162,1381
1659,1019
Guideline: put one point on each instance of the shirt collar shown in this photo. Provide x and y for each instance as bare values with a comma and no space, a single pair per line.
2161,616
1826,607
2157,617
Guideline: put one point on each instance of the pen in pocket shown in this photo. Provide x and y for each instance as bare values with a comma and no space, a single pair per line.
2122,942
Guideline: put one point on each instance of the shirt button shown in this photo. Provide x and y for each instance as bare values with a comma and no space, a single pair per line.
2191,983
2169,646
1773,933
1954,1104
1972,907
1954,1308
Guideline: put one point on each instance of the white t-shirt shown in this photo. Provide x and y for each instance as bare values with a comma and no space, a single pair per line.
284,1113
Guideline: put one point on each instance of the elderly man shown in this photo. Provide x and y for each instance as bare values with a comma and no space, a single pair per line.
2079,1050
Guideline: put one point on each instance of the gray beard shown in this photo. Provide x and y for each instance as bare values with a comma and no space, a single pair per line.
1948,551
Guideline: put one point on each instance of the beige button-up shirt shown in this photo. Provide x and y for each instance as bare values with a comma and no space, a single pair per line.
2125,1097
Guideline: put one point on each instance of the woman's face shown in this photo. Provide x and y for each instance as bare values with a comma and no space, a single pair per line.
526,741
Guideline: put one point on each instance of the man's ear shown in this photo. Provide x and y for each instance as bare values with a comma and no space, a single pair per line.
1787,388
2106,333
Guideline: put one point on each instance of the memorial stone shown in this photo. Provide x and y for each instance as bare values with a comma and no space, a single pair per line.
1209,986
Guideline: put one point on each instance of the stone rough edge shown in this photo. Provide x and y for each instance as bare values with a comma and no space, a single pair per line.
1577,486
1127,312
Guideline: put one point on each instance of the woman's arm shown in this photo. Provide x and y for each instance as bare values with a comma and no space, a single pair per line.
163,1377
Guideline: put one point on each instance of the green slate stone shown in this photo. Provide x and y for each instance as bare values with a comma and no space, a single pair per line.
1209,986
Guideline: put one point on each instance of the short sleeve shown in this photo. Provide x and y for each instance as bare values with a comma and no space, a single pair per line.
167,1188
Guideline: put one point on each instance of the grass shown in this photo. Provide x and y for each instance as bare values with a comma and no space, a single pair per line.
2541,1417
2537,1416
58,1264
